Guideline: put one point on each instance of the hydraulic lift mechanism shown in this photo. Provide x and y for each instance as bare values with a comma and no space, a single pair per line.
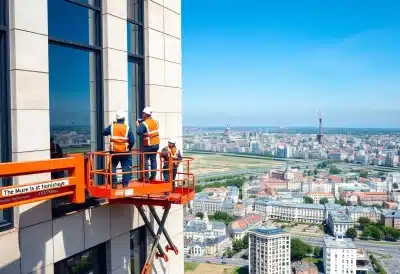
93,175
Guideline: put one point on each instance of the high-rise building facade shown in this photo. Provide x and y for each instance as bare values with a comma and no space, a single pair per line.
66,68
339,255
269,251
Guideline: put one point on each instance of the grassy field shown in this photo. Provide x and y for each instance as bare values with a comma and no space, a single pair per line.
211,163
214,269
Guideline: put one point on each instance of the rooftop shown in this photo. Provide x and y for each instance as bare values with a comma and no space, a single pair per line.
337,242
340,217
268,230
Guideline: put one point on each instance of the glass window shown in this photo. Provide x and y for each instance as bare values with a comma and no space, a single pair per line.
5,146
135,39
76,95
135,27
91,261
135,10
72,98
73,22
138,249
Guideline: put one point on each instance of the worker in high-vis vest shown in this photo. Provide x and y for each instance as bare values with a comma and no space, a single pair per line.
147,128
171,151
121,142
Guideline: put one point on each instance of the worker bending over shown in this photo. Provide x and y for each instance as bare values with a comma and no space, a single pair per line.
176,156
147,127
121,141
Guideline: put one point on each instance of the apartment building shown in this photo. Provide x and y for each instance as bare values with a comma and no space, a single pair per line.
391,218
355,212
317,196
66,68
278,210
211,200
269,251
239,228
339,222
339,255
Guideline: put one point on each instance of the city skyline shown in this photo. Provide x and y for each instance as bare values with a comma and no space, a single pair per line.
283,61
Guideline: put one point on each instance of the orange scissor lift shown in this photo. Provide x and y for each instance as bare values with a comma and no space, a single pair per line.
84,177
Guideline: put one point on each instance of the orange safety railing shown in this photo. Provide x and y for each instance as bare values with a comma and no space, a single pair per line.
72,186
100,175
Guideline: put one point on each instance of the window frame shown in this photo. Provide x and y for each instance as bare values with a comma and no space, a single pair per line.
5,104
140,25
139,59
99,246
99,94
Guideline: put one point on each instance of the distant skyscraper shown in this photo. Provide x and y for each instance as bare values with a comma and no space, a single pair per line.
269,251
320,135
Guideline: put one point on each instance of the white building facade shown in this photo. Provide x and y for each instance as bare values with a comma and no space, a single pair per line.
66,68
339,255
269,251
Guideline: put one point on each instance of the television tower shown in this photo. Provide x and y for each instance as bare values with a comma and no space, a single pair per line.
320,135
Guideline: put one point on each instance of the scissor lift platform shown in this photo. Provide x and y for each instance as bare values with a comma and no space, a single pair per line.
88,175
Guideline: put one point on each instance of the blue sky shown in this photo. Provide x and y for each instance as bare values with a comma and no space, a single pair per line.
275,63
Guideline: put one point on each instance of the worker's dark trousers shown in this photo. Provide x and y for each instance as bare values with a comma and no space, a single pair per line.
152,157
126,163
166,174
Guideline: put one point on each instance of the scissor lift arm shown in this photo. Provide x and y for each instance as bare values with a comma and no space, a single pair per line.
81,178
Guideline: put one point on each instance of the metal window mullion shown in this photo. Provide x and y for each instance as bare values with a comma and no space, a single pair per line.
79,3
75,45
134,22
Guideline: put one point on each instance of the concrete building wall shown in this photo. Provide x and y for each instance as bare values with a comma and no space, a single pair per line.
37,242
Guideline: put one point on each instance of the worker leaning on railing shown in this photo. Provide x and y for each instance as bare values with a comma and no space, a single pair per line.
176,157
121,141
147,127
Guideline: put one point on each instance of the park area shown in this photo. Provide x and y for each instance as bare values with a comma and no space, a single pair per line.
205,268
215,163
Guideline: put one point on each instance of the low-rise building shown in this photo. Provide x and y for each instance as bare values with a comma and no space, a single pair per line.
304,267
339,222
317,196
277,210
391,218
239,228
372,198
355,212
339,255
216,246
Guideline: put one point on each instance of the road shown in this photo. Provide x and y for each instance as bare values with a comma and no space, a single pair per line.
392,249
218,260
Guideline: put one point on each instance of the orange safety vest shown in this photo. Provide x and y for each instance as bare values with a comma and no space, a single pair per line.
119,138
151,137
173,152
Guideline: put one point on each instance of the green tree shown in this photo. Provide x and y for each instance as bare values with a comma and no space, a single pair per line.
364,221
333,170
299,249
309,173
364,173
200,215
315,172
366,233
318,252
376,233
223,217
246,241
323,201
351,233
305,173
395,185
308,200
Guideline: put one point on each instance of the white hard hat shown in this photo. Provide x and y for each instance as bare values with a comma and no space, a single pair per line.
172,141
120,115
147,110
